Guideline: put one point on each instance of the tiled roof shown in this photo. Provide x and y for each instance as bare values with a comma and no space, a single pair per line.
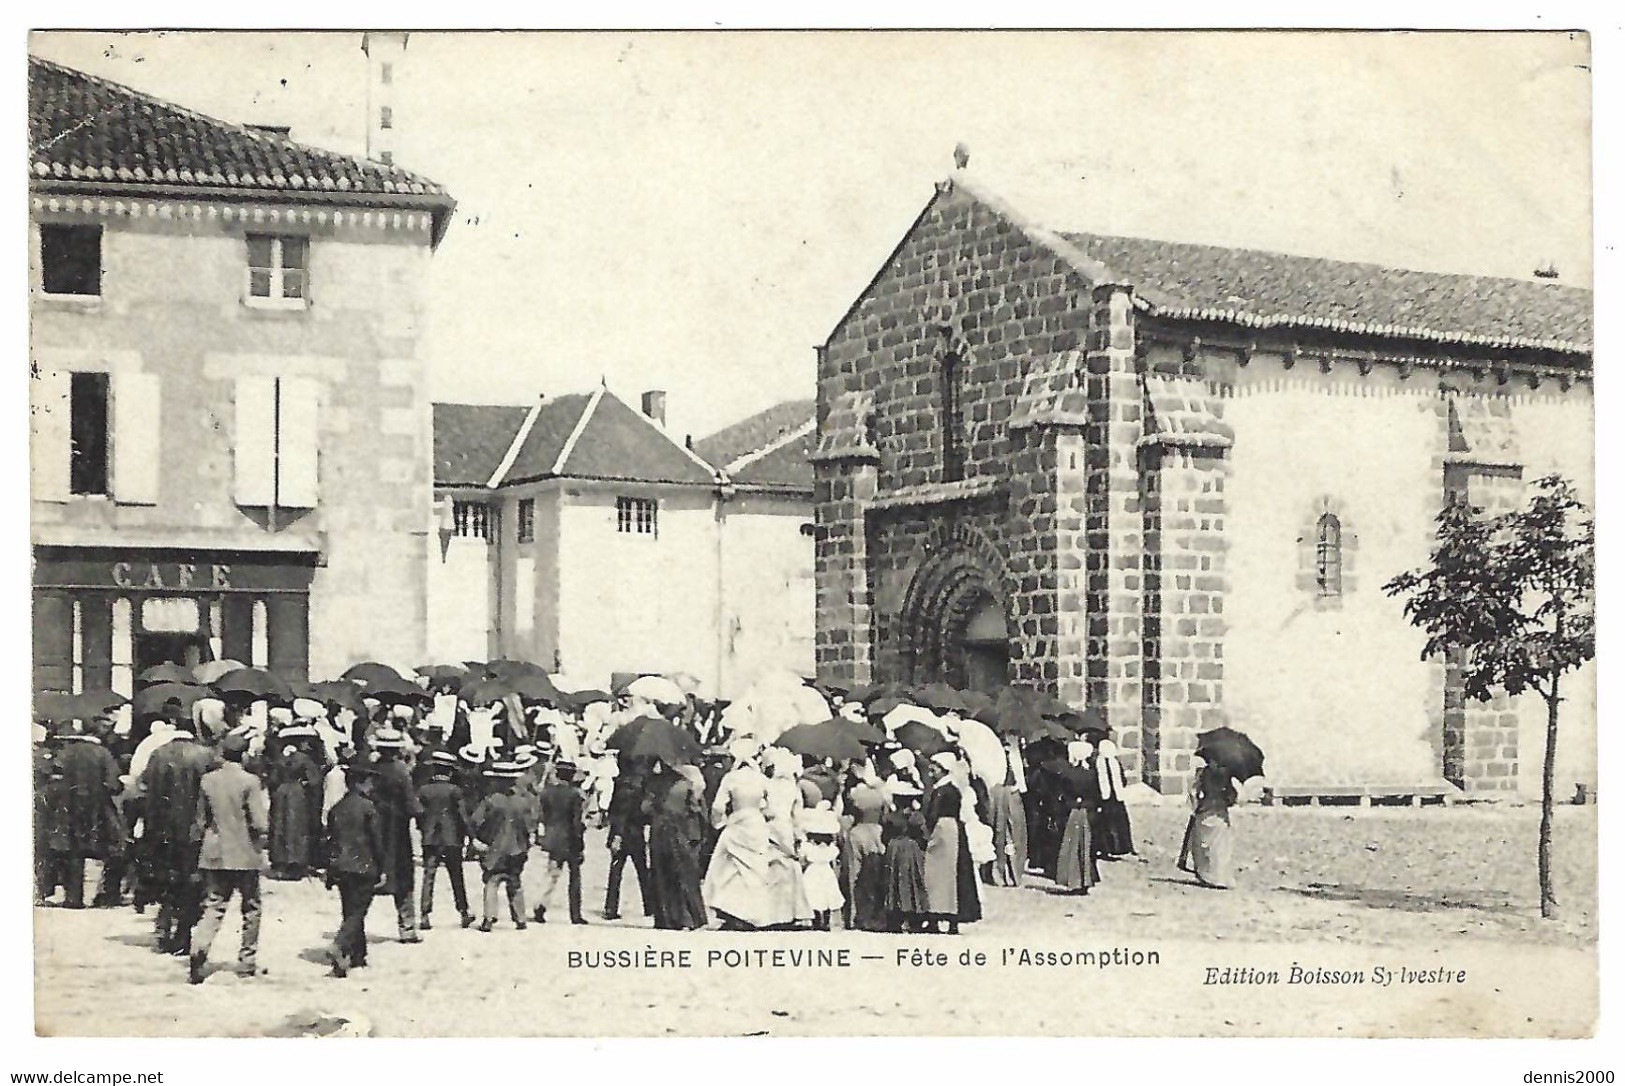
548,435
1264,289
620,442
83,128
755,433
786,467
616,442
470,441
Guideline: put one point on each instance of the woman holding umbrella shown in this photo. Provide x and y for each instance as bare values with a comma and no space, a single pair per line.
1209,847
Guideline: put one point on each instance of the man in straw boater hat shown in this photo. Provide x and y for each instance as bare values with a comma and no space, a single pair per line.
443,827
502,826
398,807
355,849
231,824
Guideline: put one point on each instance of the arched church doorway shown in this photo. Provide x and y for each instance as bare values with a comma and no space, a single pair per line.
984,648
954,624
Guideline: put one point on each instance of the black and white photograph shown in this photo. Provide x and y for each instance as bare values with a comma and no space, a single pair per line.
811,534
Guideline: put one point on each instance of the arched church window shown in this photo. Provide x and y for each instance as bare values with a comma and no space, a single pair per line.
1329,556
953,422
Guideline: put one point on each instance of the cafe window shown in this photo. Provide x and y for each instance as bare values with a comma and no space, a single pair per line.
527,520
472,520
637,516
278,270
71,260
90,445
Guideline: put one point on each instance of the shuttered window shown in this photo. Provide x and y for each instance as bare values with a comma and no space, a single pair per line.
277,439
137,431
49,441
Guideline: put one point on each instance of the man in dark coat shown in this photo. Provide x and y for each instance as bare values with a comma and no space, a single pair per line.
398,807
628,838
564,839
444,829
231,824
81,819
355,847
169,791
502,824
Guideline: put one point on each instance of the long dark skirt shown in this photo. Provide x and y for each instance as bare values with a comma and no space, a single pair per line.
1075,867
674,867
904,878
294,826
1113,835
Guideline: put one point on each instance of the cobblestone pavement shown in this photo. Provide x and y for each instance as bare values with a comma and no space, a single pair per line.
1345,892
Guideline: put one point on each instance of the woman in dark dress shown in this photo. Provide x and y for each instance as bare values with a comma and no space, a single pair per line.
866,806
296,791
677,830
1114,837
904,832
1075,866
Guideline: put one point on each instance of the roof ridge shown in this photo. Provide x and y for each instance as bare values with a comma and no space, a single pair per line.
569,445
709,469
1372,264
516,444
789,437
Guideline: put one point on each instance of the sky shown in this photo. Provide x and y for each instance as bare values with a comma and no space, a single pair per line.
694,211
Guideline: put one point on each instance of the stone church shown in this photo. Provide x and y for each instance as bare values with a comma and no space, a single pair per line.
1170,480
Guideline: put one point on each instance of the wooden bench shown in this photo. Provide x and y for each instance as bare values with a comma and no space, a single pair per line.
1442,793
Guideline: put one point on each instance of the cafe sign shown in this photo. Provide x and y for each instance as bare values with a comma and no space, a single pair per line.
174,573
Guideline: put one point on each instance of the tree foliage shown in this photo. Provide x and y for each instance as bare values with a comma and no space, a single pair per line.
1510,598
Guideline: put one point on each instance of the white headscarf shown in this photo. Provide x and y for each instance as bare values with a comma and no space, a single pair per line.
1110,771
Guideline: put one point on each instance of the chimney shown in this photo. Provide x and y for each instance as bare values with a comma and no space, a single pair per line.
654,405
385,51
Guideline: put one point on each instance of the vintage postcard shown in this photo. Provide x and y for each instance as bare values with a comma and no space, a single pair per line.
812,534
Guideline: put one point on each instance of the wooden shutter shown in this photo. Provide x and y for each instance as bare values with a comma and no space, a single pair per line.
255,453
297,440
50,444
137,426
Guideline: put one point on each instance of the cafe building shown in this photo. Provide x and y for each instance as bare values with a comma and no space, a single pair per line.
230,423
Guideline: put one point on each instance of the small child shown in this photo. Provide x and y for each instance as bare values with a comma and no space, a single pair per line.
502,825
819,853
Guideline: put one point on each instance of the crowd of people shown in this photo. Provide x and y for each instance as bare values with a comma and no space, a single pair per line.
881,809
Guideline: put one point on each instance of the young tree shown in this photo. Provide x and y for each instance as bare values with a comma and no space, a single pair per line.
1509,600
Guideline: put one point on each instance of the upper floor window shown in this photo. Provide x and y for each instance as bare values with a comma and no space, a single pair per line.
953,422
637,516
89,427
386,117
71,259
278,270
1328,556
386,73
527,520
472,520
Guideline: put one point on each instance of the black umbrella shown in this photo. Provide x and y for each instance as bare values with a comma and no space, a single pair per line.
443,676
59,708
166,673
339,692
826,740
666,741
625,736
253,683
922,739
483,690
861,731
1231,751
533,686
372,672
580,699
940,697
152,699
397,691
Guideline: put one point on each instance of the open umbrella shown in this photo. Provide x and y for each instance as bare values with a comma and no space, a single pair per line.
867,694
922,739
862,731
340,692
254,684
533,686
580,699
984,750
483,690
63,707
371,672
826,740
166,673
666,741
443,676
152,699
976,703
686,681
941,697
397,691
656,688
1231,751
626,736
210,670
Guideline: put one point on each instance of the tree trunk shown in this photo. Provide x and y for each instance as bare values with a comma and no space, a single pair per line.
1548,900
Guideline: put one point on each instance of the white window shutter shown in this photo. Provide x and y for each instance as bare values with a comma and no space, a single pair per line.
136,429
297,441
255,436
49,434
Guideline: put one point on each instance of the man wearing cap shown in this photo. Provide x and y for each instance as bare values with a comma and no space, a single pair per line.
355,847
231,825
398,808
564,831
443,826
